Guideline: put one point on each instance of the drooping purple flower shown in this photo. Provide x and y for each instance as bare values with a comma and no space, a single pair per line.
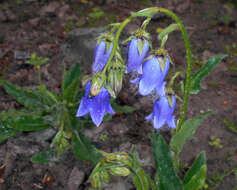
101,56
97,105
154,72
163,113
136,57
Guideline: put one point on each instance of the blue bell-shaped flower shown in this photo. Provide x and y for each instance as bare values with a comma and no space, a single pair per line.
163,111
101,56
154,71
137,50
97,105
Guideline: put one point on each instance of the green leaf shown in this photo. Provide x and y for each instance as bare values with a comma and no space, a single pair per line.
168,30
198,181
47,97
26,123
148,12
202,72
28,98
71,84
73,74
122,109
71,94
186,132
6,133
195,169
60,142
83,149
167,177
140,178
36,60
43,157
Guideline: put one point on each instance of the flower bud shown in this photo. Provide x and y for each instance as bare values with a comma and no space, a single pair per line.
96,181
105,176
97,84
119,171
115,78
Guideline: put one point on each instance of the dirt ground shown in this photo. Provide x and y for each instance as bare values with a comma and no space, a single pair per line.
42,26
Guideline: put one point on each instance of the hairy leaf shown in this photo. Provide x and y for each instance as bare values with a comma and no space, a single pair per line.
186,132
140,178
83,149
6,133
28,98
202,72
164,164
26,123
70,84
198,180
43,157
195,169
122,109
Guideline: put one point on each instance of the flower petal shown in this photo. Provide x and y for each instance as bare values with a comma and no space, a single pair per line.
87,89
160,89
107,53
83,108
139,69
97,112
158,122
135,81
135,60
152,76
100,56
132,55
150,116
106,102
164,107
109,109
171,122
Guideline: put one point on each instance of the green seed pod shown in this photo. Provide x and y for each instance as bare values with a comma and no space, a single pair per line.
119,171
115,77
96,182
105,176
97,84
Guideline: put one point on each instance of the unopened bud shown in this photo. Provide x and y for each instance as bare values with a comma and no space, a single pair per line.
119,171
115,77
97,84
105,176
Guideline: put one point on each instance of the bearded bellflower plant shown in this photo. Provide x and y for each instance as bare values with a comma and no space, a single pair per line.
152,67
46,109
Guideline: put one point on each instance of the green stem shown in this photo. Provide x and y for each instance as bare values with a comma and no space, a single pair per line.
189,64
116,39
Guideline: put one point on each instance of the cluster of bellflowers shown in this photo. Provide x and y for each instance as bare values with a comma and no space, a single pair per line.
151,67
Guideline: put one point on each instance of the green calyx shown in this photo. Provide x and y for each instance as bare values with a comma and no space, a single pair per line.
115,78
97,84
170,93
107,37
